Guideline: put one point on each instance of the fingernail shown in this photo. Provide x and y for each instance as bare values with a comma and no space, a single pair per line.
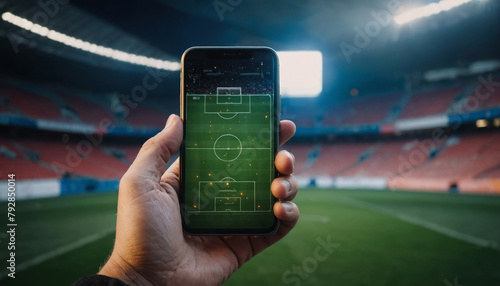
170,120
288,206
286,184
292,156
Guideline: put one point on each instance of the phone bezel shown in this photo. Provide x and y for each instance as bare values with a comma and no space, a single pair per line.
237,52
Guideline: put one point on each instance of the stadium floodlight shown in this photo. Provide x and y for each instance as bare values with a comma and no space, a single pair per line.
428,10
89,47
301,73
482,123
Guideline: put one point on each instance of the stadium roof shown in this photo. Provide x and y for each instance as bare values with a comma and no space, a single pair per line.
360,48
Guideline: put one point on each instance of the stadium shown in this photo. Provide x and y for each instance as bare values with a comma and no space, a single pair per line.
397,147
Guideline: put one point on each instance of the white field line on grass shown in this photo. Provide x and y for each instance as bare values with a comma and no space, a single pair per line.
423,223
58,251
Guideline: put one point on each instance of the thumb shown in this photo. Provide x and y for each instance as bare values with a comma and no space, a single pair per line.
151,162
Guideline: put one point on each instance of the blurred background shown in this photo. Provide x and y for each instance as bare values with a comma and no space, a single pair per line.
397,145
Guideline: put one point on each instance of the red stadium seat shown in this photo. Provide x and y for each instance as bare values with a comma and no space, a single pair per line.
367,110
87,111
471,158
30,104
429,103
21,166
334,158
64,157
143,116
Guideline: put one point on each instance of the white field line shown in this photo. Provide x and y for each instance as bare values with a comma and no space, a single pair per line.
423,223
58,251
212,148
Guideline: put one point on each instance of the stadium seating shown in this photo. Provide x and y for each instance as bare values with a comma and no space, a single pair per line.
430,103
143,116
87,111
302,156
469,162
468,159
367,110
66,160
386,160
484,99
419,164
12,161
336,157
130,152
27,103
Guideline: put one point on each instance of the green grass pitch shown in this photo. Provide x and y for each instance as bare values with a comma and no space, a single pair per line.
229,157
372,240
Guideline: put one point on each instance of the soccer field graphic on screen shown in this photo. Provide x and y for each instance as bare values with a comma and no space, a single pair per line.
229,154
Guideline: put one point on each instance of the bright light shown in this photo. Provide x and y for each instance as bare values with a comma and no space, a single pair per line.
481,123
301,73
428,10
89,47
496,122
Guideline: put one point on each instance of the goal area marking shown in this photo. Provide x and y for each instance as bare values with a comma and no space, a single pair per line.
221,191
229,96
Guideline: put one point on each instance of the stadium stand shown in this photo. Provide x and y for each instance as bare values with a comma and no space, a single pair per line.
303,157
336,157
388,158
74,159
12,160
28,104
129,152
368,110
465,158
143,116
468,162
87,111
430,103
482,99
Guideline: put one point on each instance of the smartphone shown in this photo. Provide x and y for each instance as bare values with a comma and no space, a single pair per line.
230,106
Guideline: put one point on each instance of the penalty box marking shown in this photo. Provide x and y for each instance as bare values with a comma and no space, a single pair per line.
222,190
227,112
226,198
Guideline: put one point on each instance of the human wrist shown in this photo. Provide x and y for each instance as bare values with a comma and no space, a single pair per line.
117,267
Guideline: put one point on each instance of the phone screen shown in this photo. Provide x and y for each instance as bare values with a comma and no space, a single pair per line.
230,103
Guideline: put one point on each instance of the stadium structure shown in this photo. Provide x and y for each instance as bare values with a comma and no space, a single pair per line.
415,108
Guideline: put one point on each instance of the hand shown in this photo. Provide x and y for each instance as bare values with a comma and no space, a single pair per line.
150,246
